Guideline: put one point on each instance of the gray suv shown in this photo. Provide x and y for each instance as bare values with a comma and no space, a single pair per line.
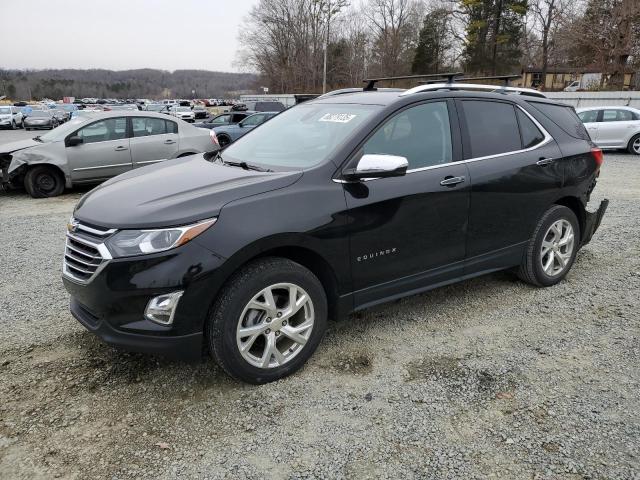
97,147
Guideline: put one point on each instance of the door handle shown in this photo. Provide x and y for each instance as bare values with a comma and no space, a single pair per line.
121,148
451,181
169,142
544,161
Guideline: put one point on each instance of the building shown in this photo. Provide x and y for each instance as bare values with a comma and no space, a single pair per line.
558,78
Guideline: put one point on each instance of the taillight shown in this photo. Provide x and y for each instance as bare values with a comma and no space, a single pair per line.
598,156
214,137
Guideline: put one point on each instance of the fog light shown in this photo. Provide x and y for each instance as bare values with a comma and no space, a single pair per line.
162,308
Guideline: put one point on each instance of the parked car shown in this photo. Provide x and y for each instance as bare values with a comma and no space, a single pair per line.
60,115
11,117
183,113
614,127
98,146
155,107
41,119
230,133
265,106
573,87
332,206
200,112
224,119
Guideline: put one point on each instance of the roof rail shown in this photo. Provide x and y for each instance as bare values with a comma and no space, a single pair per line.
371,82
343,91
473,86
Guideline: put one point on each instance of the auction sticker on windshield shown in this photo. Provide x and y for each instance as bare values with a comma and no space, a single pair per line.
337,117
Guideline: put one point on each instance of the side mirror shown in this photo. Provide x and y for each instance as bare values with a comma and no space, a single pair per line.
73,141
373,165
240,124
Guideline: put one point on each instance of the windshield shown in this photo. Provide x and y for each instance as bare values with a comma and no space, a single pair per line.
183,109
40,113
58,134
4,110
300,137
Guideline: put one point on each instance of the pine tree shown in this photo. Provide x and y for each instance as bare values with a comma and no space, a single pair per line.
433,43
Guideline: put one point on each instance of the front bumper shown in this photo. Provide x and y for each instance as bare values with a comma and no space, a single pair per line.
592,221
112,304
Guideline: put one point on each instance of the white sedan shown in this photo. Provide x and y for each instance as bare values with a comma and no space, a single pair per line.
183,113
615,127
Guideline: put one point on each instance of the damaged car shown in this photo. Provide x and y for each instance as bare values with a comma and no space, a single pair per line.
87,150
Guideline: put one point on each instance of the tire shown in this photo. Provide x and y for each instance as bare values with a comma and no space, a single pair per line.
13,125
43,181
554,229
27,129
634,145
223,141
231,310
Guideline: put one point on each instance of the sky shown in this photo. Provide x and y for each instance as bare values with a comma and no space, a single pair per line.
122,34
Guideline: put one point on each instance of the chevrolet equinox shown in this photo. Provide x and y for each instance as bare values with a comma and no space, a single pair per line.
344,202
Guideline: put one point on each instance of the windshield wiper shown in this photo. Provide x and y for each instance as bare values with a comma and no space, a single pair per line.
38,139
246,166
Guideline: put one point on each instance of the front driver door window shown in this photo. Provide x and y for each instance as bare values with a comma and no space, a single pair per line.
103,153
409,228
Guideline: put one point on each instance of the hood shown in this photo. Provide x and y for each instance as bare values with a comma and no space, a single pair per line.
19,145
174,192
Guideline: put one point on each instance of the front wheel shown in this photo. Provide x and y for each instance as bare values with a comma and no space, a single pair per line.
267,321
43,181
634,145
552,249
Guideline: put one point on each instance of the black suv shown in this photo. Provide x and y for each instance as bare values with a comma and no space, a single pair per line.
335,205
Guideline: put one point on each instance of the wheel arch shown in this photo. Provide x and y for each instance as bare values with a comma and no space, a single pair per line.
576,206
299,253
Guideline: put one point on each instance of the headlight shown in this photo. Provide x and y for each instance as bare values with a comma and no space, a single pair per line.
127,243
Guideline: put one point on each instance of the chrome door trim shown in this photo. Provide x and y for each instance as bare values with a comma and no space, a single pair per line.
102,166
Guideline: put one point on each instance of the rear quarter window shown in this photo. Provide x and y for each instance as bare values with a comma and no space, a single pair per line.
564,117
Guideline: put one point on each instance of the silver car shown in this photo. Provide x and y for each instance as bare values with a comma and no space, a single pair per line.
11,117
97,147
615,127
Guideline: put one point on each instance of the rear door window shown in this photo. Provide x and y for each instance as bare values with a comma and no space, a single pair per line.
616,115
172,127
530,133
146,126
492,127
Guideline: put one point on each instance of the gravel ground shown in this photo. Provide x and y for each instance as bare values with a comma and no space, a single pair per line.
489,378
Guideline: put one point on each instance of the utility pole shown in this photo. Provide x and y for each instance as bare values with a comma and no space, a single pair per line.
326,47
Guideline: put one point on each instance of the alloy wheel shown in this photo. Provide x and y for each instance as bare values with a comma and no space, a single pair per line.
275,325
636,146
557,248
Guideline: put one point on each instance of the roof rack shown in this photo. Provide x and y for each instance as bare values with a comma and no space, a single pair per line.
371,82
473,86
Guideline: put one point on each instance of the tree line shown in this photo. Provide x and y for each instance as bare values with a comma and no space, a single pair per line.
285,40
142,83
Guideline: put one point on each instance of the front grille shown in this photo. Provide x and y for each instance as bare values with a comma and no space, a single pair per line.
85,253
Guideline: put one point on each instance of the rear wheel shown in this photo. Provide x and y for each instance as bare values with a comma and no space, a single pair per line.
267,321
13,125
43,181
634,145
552,249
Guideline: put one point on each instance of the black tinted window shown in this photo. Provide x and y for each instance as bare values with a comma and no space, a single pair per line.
492,126
420,134
531,135
565,117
